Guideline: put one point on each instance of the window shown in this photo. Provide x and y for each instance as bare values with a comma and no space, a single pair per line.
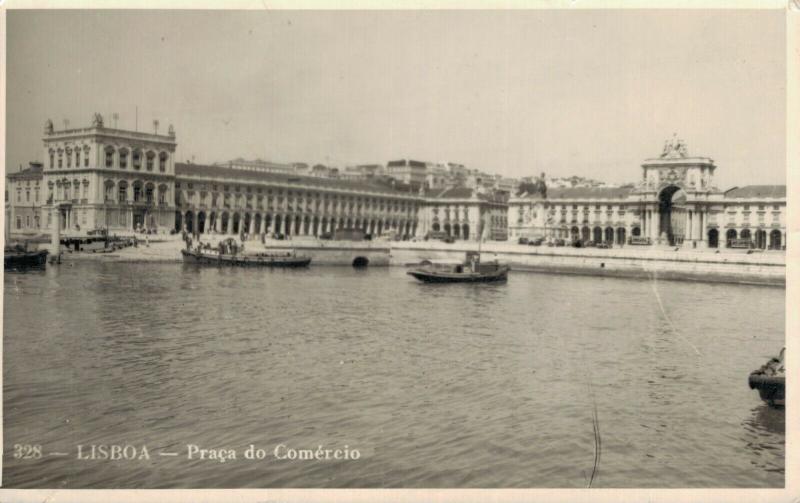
109,157
85,190
27,196
150,157
162,162
36,196
86,158
69,158
137,160
137,192
77,158
19,196
123,158
148,193
109,191
60,159
19,222
52,156
162,194
122,193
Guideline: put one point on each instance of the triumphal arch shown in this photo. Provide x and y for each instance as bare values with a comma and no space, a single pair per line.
676,193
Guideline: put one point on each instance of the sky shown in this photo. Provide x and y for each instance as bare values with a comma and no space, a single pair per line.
590,93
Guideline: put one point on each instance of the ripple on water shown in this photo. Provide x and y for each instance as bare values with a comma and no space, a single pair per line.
436,385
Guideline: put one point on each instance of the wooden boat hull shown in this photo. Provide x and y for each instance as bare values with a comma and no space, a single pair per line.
771,389
25,260
428,276
244,260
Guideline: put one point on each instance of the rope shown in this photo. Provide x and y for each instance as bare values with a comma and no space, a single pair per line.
669,320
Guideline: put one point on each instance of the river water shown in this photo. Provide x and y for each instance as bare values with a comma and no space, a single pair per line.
431,385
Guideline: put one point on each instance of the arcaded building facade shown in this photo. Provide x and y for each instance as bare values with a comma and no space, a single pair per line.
675,203
123,181
105,178
227,200
462,213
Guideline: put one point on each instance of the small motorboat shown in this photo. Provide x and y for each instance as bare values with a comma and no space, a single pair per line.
770,380
19,258
472,270
213,257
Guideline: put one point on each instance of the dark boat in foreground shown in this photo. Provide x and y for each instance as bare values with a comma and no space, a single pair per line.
770,380
472,270
18,257
211,257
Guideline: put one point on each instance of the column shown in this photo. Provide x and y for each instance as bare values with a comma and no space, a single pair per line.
55,232
700,234
688,233
644,223
652,226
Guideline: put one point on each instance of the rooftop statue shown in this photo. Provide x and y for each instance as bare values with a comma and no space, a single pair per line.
97,121
674,148
171,131
48,127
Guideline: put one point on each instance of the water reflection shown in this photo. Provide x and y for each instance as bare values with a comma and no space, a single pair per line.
433,382
764,437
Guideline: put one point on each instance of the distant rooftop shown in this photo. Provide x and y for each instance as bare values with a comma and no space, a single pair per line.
372,185
33,170
458,193
588,192
757,191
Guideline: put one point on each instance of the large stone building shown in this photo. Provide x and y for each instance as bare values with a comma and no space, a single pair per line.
675,203
24,198
98,177
460,212
105,178
123,181
225,200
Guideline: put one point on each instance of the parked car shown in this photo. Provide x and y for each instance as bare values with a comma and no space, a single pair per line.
523,241
604,245
536,242
449,239
561,242
436,235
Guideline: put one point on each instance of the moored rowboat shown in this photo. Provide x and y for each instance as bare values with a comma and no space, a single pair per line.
770,380
471,271
258,260
16,259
